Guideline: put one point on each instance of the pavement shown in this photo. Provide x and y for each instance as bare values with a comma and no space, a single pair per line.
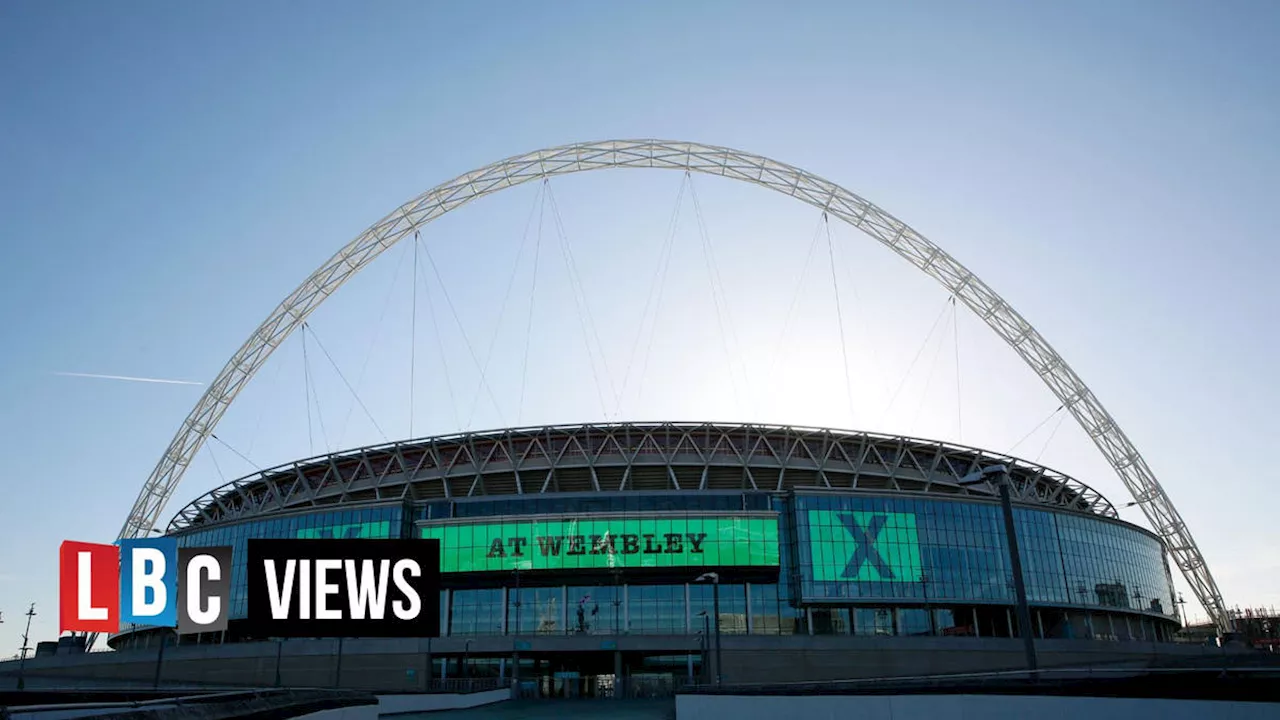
559,710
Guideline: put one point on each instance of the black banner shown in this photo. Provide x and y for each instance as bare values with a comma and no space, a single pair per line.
344,588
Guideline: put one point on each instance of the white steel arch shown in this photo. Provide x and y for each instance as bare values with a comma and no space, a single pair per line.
693,157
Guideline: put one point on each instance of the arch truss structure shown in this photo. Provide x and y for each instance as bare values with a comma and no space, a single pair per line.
711,160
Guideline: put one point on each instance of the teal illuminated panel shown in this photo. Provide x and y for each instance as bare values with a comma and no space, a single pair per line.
864,546
603,543
378,529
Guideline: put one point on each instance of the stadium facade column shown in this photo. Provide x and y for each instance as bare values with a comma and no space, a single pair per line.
619,687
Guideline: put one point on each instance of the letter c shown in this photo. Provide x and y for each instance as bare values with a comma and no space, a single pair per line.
194,594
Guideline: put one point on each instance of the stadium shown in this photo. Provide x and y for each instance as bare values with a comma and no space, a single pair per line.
572,544
598,557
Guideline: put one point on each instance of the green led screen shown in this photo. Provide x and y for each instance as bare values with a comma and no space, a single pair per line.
603,543
854,545
376,529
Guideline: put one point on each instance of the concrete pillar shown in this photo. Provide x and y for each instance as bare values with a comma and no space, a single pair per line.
619,690
429,673
688,611
515,674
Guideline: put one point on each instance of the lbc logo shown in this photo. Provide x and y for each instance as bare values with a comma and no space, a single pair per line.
146,582
296,588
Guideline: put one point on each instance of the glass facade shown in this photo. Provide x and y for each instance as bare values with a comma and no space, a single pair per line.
373,523
847,564
854,549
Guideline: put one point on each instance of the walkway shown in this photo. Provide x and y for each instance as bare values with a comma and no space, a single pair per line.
559,710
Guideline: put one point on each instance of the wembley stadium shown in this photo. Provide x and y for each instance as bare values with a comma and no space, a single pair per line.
565,542
600,554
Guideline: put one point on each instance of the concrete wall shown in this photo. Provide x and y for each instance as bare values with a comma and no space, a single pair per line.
755,659
227,705
357,712
962,707
414,703
395,665
403,665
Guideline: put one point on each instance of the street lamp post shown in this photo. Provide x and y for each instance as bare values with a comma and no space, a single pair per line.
924,584
279,655
22,661
337,671
164,640
715,604
617,600
704,644
1000,473
466,660
516,604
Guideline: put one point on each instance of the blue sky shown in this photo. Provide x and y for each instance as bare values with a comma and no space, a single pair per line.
169,173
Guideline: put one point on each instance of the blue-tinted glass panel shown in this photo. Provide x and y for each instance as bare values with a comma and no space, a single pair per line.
927,551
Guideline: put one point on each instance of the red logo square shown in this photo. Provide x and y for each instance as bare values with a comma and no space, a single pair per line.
88,587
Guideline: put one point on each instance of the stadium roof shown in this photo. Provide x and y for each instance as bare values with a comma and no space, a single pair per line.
631,457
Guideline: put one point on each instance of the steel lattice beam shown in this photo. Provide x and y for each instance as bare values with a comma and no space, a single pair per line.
692,157
829,459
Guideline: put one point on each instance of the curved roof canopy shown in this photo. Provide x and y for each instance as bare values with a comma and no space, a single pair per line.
630,457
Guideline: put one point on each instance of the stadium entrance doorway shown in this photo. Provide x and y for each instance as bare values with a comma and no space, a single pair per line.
569,676
596,676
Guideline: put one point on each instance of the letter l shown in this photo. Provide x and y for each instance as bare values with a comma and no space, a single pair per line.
84,588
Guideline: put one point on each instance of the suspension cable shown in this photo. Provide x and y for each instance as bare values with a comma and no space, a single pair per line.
945,306
795,301
314,336
313,391
237,452
583,308
955,336
728,338
933,369
275,376
216,466
413,330
1036,428
453,310
860,316
538,201
377,332
1051,434
844,348
659,285
306,379
533,296
435,331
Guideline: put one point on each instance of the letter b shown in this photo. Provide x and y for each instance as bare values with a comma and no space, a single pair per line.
148,568
630,544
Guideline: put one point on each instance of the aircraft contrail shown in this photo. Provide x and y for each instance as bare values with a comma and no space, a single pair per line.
130,379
